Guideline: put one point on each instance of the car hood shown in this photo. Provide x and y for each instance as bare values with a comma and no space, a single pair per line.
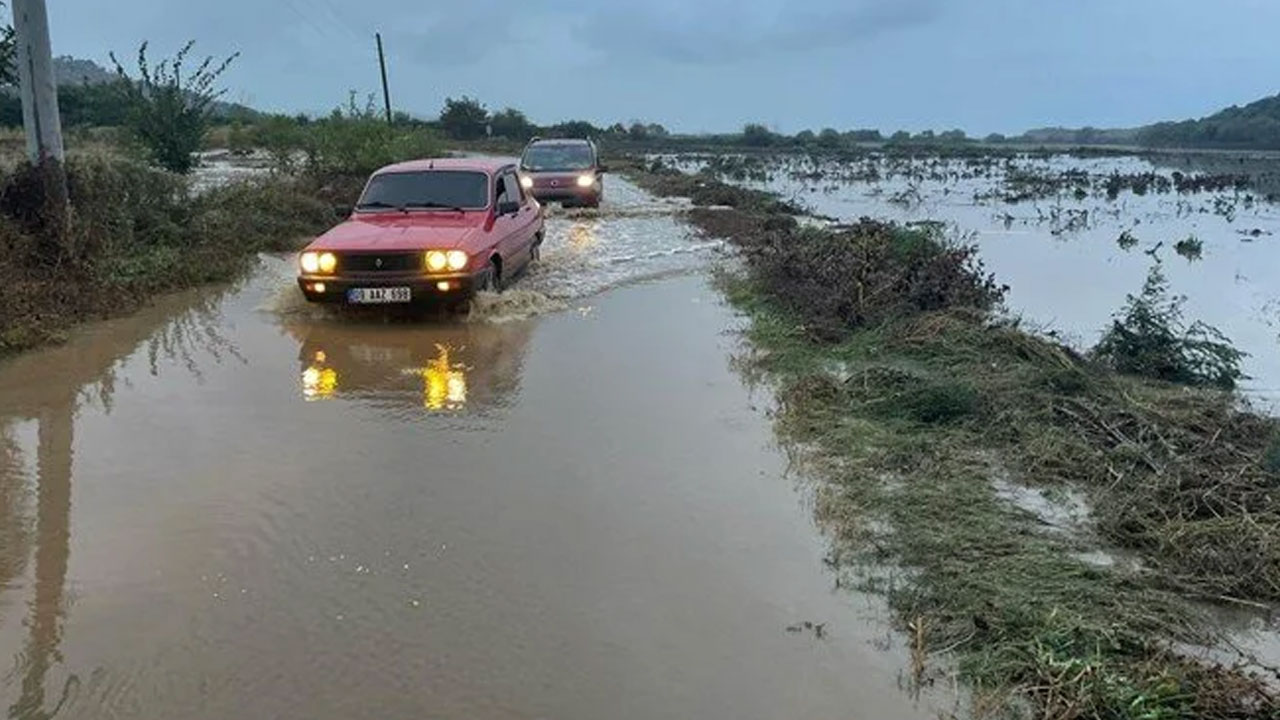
389,232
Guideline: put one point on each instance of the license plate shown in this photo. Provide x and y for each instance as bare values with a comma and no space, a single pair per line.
369,296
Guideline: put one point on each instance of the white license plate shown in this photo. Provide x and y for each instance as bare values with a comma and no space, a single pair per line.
370,296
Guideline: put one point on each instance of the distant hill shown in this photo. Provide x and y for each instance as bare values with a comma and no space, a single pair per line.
1255,126
74,71
70,71
1080,136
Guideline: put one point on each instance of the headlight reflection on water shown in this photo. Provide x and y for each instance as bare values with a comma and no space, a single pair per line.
444,381
444,385
319,383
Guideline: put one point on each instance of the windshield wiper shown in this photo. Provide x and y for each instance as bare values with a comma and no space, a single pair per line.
435,206
379,205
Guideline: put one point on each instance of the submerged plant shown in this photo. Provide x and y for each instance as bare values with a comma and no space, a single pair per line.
1127,240
1150,339
1190,248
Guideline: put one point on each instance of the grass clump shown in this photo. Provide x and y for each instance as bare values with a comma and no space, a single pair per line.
1149,338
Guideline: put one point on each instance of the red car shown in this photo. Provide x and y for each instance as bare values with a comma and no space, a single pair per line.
427,230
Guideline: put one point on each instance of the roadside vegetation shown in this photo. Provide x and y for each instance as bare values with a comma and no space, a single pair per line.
140,224
951,441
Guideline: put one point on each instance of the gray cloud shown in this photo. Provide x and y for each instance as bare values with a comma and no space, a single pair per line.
725,31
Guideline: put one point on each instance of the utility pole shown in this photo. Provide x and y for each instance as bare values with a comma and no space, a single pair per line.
382,64
40,117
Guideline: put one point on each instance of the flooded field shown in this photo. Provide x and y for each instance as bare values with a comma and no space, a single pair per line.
568,506
1070,236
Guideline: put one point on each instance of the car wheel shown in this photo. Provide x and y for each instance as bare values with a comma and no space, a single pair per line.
535,253
492,281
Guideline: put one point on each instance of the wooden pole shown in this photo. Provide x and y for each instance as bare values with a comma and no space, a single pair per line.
382,64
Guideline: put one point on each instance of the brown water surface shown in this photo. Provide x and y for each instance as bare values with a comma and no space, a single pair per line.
208,510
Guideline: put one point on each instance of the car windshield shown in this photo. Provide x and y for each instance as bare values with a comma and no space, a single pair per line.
467,190
558,157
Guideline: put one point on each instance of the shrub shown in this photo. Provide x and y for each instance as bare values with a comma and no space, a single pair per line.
352,142
1191,248
867,273
464,118
757,135
168,112
1150,339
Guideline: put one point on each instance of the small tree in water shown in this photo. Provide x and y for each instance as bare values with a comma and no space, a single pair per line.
1148,338
168,112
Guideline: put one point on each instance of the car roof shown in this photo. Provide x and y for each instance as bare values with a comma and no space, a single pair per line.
482,164
560,141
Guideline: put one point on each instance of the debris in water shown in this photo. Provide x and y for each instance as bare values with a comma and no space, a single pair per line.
1191,248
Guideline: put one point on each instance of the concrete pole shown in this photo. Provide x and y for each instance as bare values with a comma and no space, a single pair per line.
40,118
36,81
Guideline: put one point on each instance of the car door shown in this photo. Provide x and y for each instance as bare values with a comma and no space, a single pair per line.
516,232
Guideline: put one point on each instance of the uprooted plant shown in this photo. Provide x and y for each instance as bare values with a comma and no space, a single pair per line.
1149,338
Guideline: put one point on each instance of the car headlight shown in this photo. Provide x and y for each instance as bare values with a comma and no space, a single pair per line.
316,262
439,260
526,182
457,259
586,180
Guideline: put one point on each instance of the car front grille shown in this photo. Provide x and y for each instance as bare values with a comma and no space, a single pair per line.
379,262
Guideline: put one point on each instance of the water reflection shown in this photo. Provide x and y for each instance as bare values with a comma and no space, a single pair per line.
444,367
48,387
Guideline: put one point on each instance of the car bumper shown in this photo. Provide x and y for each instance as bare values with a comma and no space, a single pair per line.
562,194
423,288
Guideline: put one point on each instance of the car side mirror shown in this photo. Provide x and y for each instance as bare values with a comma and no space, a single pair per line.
342,211
602,169
508,207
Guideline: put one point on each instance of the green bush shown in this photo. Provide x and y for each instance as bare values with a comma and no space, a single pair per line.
167,111
352,142
1150,339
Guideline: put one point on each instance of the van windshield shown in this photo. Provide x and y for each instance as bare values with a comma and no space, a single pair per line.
558,157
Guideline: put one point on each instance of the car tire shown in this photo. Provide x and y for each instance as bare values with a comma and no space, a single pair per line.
535,252
492,281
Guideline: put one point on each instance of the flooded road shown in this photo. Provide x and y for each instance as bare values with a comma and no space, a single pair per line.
227,506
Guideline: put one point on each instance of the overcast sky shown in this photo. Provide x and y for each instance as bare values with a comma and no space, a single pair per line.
711,65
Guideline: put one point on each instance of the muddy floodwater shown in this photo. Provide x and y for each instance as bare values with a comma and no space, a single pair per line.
1058,247
569,506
